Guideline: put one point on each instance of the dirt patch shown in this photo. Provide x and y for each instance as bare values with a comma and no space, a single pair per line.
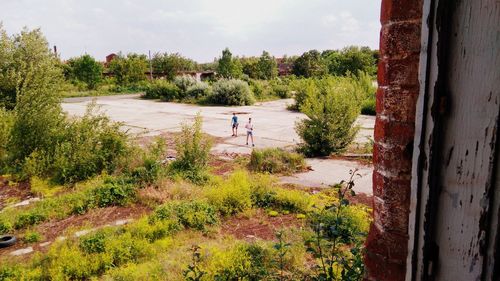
259,225
94,218
221,166
13,192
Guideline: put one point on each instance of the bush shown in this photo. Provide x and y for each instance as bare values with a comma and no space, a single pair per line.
85,69
276,160
162,89
280,89
233,195
151,168
332,112
184,82
198,91
193,150
194,214
6,123
240,262
368,107
112,193
89,146
231,92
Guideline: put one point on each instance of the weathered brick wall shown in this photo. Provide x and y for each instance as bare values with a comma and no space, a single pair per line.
397,93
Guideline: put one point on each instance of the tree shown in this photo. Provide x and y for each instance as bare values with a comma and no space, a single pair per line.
352,60
332,110
86,69
172,64
30,79
130,69
249,67
229,67
267,67
310,64
26,63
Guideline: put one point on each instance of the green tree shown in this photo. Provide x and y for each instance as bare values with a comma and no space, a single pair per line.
352,60
249,67
86,69
267,66
172,64
130,69
310,64
36,100
332,110
26,63
229,67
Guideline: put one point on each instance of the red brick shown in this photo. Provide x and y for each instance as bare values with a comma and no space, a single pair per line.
400,40
378,269
392,215
400,10
399,72
391,189
390,245
397,104
393,132
394,159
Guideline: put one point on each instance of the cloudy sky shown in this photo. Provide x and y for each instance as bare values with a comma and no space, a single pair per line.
198,29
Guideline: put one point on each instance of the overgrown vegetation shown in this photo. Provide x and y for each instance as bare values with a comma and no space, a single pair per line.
80,166
276,160
332,108
193,148
231,92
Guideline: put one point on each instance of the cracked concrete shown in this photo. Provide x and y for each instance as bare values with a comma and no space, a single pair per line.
273,123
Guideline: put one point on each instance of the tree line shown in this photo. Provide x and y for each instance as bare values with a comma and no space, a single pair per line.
132,68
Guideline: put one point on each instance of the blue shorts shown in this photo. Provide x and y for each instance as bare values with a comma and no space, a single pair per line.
249,133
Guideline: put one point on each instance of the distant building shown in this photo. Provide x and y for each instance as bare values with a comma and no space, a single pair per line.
109,58
199,75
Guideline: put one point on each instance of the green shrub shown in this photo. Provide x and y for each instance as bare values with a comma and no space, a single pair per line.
184,82
368,107
5,226
233,195
154,228
30,218
94,243
151,168
280,89
198,91
6,124
162,89
276,160
194,214
231,92
263,193
292,200
89,146
330,127
193,150
111,193
240,262
32,237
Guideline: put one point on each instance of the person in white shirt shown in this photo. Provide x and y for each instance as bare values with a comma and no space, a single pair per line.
249,127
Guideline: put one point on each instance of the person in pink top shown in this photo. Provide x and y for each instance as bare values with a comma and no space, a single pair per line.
249,127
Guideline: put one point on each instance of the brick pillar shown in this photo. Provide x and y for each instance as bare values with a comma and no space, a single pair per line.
387,243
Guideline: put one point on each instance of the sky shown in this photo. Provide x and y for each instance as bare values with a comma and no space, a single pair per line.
198,29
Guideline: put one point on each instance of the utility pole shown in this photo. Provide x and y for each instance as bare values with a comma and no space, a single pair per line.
150,67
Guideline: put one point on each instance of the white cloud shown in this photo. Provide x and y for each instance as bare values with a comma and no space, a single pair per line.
197,28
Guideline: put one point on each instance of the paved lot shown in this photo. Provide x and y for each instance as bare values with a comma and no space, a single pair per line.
273,127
